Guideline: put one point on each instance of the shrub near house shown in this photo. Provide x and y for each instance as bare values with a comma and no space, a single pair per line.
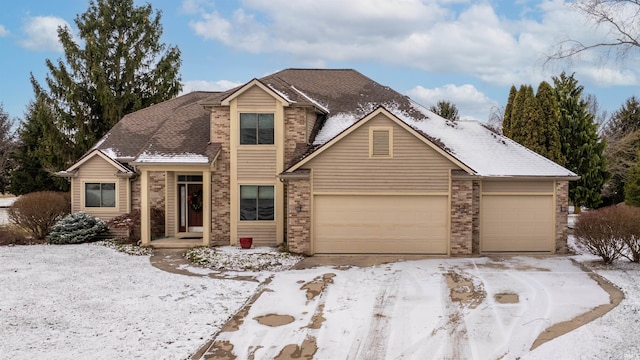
610,233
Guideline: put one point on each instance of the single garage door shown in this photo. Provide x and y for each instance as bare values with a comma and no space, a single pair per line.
380,224
517,223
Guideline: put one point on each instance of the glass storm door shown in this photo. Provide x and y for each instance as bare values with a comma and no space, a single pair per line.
190,207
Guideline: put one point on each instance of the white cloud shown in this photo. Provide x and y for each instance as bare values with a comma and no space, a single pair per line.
471,103
3,31
458,37
42,33
202,85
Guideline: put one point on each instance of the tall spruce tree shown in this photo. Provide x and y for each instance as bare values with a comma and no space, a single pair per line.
120,66
508,110
29,174
581,145
7,147
517,113
530,122
550,122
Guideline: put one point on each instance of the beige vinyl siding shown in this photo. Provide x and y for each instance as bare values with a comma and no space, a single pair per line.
415,166
256,164
255,98
97,169
517,186
171,215
262,234
311,121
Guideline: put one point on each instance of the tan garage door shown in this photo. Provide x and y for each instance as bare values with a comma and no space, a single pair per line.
380,224
517,223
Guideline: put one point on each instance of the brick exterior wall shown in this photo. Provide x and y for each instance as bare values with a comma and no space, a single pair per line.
461,217
156,191
221,178
476,219
299,222
295,131
562,203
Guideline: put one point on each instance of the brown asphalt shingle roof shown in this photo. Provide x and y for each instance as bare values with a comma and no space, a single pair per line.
176,126
181,125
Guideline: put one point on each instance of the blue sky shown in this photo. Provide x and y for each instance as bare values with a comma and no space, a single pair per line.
466,52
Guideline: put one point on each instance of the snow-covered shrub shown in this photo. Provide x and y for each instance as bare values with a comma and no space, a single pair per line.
131,223
37,212
629,219
605,232
76,228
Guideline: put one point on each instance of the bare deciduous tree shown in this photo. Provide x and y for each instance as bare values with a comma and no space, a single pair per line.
620,19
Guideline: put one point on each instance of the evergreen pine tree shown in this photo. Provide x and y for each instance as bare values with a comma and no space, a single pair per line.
517,113
119,67
550,122
531,132
508,110
29,175
581,145
632,186
7,147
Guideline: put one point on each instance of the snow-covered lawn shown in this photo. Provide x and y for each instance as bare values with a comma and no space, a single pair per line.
88,301
91,302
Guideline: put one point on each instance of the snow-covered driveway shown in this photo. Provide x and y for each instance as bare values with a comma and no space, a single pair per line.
426,309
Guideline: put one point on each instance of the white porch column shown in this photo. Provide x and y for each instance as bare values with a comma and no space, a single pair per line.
145,213
206,208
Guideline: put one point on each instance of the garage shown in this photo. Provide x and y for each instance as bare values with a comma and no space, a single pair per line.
380,224
517,223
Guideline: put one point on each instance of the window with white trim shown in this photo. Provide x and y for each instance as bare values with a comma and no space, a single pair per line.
256,129
380,142
256,202
100,195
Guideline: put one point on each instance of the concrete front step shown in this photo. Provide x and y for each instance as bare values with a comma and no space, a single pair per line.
175,243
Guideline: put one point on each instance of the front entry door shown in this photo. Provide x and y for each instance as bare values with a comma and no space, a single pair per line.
190,201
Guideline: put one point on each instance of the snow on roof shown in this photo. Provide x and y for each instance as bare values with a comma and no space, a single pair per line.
487,153
282,95
110,152
192,158
311,100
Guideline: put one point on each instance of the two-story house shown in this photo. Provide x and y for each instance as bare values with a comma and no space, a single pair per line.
328,161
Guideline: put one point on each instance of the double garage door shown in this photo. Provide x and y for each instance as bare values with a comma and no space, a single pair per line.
419,224
380,224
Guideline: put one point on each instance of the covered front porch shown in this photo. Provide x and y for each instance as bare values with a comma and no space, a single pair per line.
183,191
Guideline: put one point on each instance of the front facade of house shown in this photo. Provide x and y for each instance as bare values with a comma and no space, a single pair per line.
327,161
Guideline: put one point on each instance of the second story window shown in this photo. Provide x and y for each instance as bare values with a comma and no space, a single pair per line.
256,129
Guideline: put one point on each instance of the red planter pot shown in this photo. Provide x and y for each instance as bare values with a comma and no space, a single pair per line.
246,243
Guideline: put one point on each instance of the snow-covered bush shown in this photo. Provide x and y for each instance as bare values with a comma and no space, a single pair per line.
610,232
37,212
76,228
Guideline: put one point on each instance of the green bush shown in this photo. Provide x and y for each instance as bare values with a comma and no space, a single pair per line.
37,212
77,228
610,233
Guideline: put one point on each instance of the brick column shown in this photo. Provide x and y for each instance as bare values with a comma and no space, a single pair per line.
299,216
476,218
562,212
461,217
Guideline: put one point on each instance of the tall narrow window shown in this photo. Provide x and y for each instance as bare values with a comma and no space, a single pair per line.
256,202
381,142
256,129
100,194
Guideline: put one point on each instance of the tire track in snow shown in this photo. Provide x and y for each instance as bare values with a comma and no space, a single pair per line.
375,344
